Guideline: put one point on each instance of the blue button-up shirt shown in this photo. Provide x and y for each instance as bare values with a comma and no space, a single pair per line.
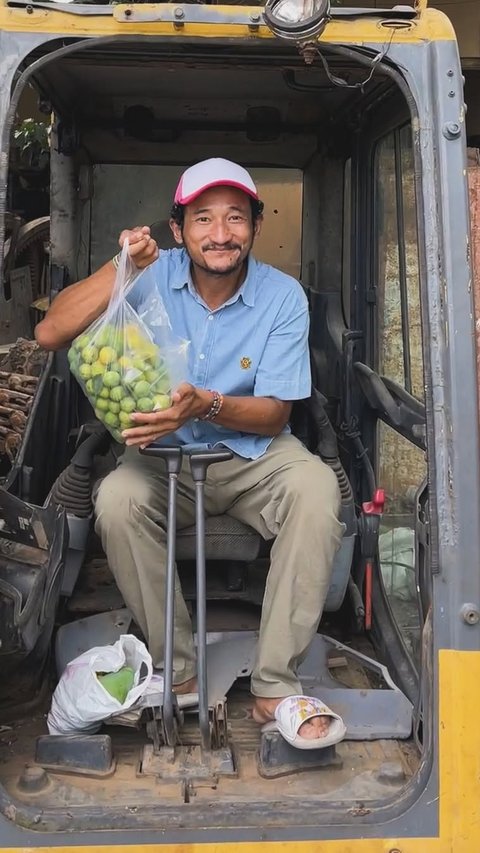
255,344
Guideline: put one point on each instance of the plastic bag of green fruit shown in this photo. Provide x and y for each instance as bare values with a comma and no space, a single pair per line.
123,363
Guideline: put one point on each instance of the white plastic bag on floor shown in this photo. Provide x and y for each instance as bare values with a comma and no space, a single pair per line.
80,702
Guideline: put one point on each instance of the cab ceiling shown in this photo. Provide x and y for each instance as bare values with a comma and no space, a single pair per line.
139,106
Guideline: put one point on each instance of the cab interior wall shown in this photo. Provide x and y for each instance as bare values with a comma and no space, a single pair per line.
149,111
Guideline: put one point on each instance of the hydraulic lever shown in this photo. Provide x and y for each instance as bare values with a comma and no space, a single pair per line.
199,462
172,456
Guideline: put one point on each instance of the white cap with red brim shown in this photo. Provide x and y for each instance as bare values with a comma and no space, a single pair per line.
215,172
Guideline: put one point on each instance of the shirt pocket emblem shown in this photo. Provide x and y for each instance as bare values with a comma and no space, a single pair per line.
245,362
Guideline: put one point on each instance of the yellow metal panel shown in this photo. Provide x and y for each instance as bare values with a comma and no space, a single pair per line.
431,25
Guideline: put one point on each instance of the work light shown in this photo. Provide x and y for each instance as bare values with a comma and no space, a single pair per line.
297,20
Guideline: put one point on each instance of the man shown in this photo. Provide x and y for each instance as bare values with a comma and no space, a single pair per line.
247,324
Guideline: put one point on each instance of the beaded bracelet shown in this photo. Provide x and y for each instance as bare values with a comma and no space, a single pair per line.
215,408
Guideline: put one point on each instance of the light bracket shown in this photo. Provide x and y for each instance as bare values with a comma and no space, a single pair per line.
299,21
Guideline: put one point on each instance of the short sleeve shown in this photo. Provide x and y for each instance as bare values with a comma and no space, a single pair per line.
284,368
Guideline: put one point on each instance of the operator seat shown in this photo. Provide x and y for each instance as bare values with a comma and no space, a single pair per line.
226,538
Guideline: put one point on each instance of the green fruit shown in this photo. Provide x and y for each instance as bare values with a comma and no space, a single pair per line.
139,363
117,394
82,342
111,419
89,354
71,355
141,389
145,404
103,404
104,393
107,355
125,419
111,378
118,684
100,415
89,387
152,376
161,401
98,369
128,404
114,407
85,371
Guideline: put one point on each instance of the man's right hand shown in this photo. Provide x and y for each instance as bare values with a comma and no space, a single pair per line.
142,248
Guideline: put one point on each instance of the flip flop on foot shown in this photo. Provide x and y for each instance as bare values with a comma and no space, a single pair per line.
308,714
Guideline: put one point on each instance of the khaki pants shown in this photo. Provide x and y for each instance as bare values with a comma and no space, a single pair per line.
288,494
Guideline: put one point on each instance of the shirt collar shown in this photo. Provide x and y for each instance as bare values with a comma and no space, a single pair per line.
246,291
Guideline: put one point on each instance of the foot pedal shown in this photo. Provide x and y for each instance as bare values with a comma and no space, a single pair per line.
277,758
87,755
187,763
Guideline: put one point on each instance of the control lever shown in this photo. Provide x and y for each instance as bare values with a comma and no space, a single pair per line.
172,456
199,462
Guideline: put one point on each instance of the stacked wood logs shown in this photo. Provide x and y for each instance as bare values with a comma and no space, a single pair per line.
20,369
16,398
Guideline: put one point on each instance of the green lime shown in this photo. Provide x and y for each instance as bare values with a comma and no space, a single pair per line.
117,393
125,419
145,404
105,336
141,389
85,371
114,407
161,401
111,419
128,404
111,378
100,415
82,342
103,405
89,387
98,369
89,354
105,393
152,376
107,355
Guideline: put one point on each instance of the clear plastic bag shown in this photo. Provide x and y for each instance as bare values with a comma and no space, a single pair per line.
129,361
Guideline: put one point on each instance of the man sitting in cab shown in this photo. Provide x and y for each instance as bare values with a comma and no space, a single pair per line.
247,324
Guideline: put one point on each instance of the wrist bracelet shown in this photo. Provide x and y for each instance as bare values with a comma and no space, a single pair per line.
215,408
116,260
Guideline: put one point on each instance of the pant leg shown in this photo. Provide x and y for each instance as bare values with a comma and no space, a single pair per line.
130,510
293,496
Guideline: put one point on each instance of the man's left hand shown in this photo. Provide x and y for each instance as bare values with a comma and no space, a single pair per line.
187,402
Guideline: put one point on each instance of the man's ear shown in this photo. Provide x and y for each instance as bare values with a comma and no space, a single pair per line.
176,231
257,226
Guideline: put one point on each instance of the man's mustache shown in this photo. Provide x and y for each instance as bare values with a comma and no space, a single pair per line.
224,246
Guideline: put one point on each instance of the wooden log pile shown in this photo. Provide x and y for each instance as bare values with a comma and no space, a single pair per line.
16,398
19,377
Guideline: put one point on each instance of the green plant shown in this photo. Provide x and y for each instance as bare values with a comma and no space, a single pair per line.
32,141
